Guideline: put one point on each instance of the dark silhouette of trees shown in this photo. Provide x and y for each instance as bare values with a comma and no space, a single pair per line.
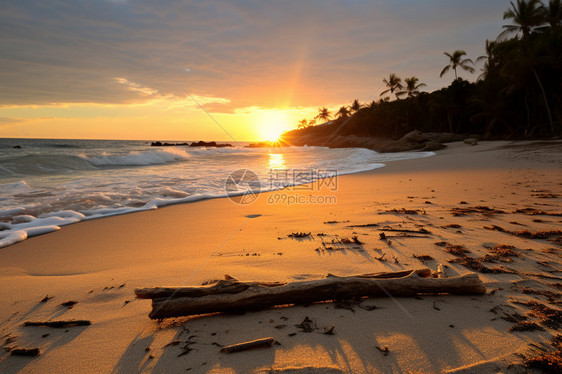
525,17
355,106
324,114
302,124
393,83
456,60
518,94
412,87
552,14
343,112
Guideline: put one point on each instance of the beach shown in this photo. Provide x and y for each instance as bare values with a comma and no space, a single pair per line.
463,196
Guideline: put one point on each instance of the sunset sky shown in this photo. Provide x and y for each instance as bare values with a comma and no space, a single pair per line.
117,69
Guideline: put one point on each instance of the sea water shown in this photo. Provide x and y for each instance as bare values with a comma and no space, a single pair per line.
48,183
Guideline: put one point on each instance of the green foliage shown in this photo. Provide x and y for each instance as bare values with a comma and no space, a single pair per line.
518,94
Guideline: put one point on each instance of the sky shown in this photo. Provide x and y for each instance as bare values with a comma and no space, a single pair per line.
239,70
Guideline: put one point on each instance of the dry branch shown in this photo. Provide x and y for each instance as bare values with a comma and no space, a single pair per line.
31,352
259,343
236,296
59,324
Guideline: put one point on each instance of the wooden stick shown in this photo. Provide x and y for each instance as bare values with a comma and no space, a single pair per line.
259,343
254,297
25,352
59,324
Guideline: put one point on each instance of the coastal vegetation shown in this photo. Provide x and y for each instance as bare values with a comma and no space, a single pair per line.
517,95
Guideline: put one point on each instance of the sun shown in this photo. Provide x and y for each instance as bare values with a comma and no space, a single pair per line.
271,124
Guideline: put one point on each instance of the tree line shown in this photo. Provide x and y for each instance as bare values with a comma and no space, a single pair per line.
518,93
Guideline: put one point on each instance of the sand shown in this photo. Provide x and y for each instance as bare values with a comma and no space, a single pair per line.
99,263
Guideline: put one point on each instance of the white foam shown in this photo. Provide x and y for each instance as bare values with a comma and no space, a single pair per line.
65,214
24,226
40,230
10,212
12,237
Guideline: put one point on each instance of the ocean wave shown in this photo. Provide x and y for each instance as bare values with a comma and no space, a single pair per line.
36,164
46,190
140,158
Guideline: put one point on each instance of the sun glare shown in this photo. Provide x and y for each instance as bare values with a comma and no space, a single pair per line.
272,124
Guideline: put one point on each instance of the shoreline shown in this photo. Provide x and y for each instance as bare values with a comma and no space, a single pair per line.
188,244
81,208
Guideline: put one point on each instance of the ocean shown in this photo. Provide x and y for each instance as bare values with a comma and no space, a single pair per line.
49,183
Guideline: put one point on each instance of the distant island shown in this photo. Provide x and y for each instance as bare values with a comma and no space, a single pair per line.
517,95
200,143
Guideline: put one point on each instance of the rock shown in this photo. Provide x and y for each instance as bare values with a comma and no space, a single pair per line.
432,146
17,146
209,144
443,137
201,143
194,144
471,141
415,136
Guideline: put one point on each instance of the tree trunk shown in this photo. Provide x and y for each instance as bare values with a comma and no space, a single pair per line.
545,102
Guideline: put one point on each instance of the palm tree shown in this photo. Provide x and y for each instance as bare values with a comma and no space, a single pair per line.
356,106
393,83
302,124
522,69
412,87
455,60
323,114
344,112
525,17
553,13
488,60
312,122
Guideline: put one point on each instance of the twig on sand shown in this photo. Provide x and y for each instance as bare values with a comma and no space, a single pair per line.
535,212
259,343
299,235
384,350
30,352
58,324
484,210
69,304
46,298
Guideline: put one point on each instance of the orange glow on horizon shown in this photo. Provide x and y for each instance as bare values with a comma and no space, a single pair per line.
272,123
163,119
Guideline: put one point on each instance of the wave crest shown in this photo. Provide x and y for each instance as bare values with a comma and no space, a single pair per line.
140,158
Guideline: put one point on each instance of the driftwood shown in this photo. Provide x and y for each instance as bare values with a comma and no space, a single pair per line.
259,343
235,296
31,352
59,324
227,286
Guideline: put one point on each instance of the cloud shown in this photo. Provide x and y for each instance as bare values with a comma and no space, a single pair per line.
146,91
10,120
249,52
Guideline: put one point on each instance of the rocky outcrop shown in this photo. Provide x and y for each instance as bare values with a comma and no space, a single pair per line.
194,144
